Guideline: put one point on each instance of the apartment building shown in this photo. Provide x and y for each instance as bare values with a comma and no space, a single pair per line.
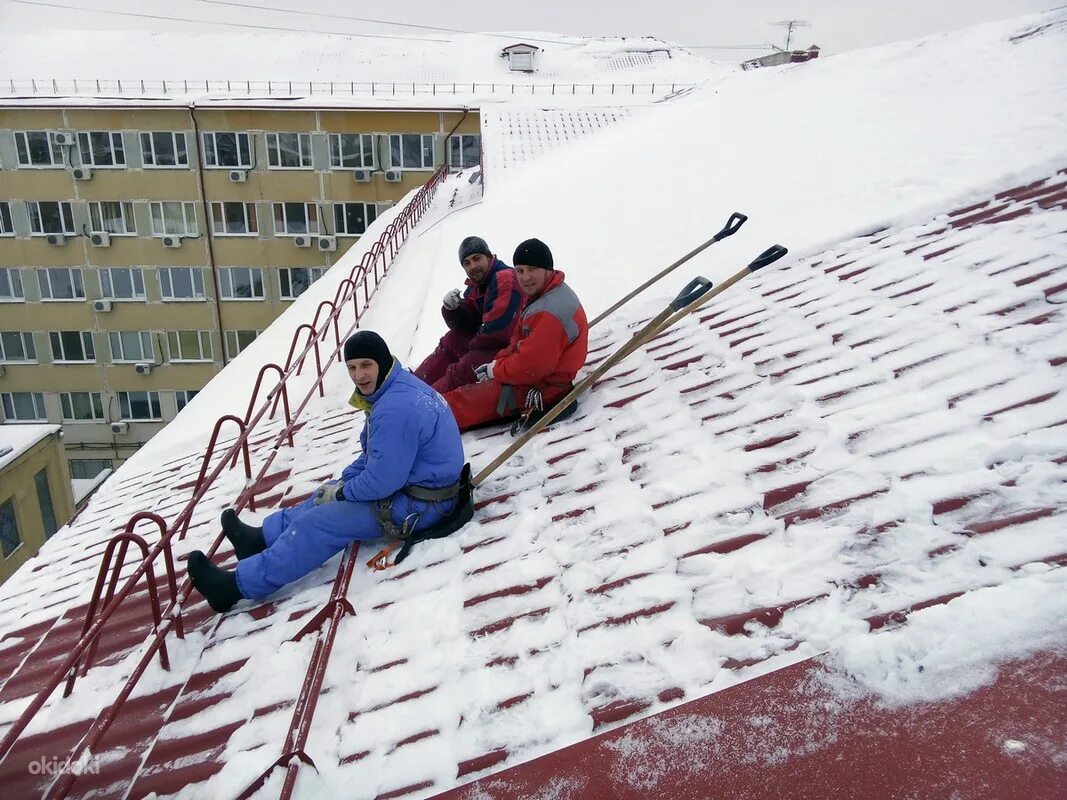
142,247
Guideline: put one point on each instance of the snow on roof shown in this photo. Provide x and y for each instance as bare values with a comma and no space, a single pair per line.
513,137
17,438
810,460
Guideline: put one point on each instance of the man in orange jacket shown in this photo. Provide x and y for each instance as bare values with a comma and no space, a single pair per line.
547,348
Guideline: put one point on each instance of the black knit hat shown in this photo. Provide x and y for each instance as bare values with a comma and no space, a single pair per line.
368,344
533,253
473,245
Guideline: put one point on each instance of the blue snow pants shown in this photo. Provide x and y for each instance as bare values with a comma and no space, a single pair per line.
306,536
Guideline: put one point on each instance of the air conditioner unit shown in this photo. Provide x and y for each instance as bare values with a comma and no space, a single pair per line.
327,244
172,241
101,239
302,241
101,306
143,368
362,175
120,427
58,239
238,175
63,138
82,173
394,176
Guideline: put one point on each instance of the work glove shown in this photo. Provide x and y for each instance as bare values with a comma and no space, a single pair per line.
452,300
484,372
329,492
534,400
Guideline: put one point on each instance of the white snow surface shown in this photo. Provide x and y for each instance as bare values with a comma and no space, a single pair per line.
16,439
819,156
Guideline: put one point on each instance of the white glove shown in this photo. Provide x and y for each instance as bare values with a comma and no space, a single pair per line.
328,492
484,372
452,300
534,400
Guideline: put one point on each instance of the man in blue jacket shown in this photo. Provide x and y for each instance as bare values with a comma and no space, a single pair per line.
406,479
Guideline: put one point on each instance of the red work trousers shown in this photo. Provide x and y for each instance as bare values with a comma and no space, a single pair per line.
452,364
480,403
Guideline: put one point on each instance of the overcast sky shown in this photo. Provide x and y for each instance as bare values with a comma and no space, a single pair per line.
835,25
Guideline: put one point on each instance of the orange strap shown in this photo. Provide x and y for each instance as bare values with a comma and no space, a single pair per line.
381,560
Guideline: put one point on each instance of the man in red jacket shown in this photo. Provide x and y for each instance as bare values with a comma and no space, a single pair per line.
546,351
480,321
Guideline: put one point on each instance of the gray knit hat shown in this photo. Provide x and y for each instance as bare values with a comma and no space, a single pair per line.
473,245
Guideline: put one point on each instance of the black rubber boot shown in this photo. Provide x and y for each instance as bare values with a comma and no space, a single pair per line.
247,540
218,586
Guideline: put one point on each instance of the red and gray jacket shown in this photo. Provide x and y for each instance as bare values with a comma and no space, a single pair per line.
551,341
489,310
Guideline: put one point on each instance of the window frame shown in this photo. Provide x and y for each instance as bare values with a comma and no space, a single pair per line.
218,215
422,152
107,290
188,213
73,461
13,278
68,412
129,222
7,222
212,150
43,489
121,357
85,144
55,151
455,142
151,399
234,336
66,214
76,281
310,210
88,346
36,399
226,284
28,347
175,351
284,274
182,397
174,147
9,511
370,213
195,272
338,155
274,151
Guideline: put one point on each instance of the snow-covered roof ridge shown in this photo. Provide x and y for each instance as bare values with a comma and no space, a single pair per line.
17,438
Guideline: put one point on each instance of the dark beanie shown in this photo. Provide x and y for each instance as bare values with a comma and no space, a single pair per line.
368,344
473,245
533,253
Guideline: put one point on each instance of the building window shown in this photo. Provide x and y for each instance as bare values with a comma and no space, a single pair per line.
464,150
7,227
234,219
189,345
410,151
122,283
61,283
294,281
173,218
227,150
44,500
241,283
164,149
115,218
351,151
353,219
11,285
131,346
140,406
74,346
181,283
10,541
17,346
291,219
102,148
236,341
37,149
23,406
183,396
49,216
81,406
289,150
86,468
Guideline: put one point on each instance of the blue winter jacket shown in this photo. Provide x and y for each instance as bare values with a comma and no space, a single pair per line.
410,437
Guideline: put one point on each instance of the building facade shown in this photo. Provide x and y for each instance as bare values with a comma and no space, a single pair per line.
141,248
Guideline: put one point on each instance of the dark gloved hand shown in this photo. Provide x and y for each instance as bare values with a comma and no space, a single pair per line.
329,492
484,372
534,400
